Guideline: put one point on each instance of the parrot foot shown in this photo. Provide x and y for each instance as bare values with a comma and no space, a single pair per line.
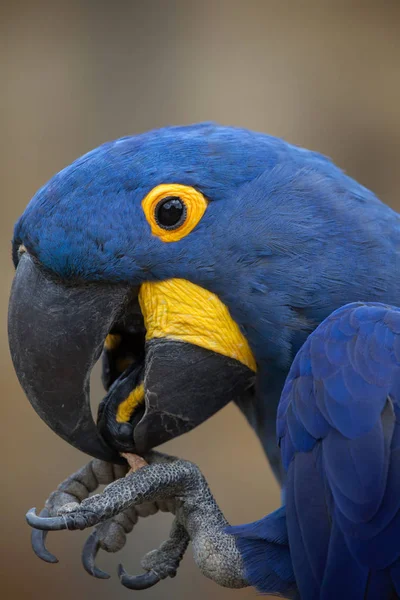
160,563
153,482
74,489
164,561
164,481
110,535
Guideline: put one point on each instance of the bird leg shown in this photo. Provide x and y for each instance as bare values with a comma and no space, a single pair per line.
109,535
198,518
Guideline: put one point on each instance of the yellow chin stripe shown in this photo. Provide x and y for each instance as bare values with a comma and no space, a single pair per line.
179,310
128,406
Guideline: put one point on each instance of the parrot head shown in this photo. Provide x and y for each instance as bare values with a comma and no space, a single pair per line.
133,213
149,250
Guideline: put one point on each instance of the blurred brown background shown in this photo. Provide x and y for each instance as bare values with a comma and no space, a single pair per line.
325,75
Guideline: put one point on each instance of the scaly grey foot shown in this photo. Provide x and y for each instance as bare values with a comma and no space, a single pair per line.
165,560
109,535
175,481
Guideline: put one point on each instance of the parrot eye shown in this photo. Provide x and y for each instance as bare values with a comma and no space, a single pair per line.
173,210
170,212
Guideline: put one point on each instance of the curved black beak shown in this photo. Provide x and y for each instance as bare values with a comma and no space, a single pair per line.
56,334
184,385
176,388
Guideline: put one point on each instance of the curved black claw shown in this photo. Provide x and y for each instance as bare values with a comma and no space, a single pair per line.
38,541
138,582
89,553
45,523
68,521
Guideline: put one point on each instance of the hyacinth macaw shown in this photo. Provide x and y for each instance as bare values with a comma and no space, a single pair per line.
201,259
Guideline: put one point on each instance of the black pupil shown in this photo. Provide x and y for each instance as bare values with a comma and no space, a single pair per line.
170,211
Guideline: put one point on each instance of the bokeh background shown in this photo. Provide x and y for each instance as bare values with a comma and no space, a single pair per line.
325,75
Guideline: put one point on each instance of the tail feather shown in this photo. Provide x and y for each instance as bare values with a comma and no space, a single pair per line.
395,577
344,577
308,524
380,585
334,557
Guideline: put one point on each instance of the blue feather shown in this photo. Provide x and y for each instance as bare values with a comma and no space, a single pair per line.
343,512
344,577
265,550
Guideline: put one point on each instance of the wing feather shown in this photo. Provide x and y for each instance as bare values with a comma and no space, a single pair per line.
342,401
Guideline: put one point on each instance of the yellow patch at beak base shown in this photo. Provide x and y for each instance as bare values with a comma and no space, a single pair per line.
180,310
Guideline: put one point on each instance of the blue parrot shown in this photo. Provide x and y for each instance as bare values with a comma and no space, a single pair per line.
223,219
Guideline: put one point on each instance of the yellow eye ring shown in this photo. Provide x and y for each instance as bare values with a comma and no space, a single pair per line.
173,210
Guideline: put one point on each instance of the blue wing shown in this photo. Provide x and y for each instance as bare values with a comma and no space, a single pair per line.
338,428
